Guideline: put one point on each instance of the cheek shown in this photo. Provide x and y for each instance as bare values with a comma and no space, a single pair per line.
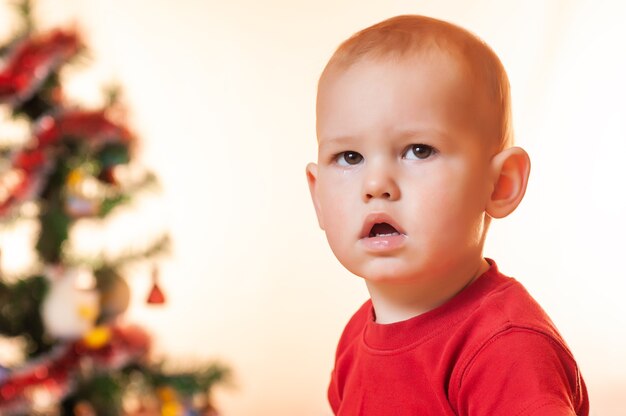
336,196
337,188
464,183
450,203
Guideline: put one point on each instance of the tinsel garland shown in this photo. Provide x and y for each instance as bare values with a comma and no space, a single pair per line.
32,61
102,350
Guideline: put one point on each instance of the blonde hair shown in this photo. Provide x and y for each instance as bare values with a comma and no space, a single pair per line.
408,35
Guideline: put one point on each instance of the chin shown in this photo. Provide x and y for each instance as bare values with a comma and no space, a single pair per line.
387,274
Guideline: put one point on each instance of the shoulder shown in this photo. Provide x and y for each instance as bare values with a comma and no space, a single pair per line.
507,304
521,371
355,326
344,355
513,359
518,345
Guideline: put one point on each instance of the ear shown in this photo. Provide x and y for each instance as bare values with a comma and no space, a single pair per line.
510,169
311,177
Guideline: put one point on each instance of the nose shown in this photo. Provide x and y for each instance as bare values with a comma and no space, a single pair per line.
380,183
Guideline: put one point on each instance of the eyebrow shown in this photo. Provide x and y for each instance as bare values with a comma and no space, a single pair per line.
413,132
404,134
336,141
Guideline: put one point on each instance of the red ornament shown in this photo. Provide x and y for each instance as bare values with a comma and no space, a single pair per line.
33,60
93,126
30,160
156,296
107,175
30,165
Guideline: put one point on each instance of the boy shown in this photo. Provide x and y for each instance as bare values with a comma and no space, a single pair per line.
415,159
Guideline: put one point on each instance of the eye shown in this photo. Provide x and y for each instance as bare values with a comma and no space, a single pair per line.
418,151
349,158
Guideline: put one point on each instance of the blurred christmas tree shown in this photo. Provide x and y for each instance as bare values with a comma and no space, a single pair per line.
63,348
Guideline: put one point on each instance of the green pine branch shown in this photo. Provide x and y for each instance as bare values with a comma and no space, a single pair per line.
160,246
19,313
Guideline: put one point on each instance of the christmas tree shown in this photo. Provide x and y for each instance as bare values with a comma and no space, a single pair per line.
64,349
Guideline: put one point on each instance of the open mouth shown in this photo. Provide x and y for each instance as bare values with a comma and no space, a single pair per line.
382,229
381,234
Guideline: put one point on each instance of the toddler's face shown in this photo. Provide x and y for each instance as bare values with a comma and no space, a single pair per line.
403,173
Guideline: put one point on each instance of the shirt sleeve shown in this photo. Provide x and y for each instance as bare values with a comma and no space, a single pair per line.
333,394
522,372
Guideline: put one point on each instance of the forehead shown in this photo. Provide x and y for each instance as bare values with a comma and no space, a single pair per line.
430,91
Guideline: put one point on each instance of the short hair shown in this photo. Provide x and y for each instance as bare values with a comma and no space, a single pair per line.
412,34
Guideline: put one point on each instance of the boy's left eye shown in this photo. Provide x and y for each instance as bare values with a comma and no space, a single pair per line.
418,151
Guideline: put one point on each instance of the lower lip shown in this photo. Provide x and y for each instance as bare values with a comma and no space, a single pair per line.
383,243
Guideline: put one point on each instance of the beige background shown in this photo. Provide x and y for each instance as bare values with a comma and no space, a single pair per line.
222,93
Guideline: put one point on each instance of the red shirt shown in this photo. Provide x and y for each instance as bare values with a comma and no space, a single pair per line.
491,350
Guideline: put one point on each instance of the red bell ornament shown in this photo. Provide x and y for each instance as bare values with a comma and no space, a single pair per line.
156,296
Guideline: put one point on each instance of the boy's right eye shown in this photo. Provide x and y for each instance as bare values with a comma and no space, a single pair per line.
349,158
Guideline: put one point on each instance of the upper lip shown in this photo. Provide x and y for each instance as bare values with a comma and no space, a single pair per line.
378,218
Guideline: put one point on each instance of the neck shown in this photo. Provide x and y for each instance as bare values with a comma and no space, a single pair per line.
395,302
